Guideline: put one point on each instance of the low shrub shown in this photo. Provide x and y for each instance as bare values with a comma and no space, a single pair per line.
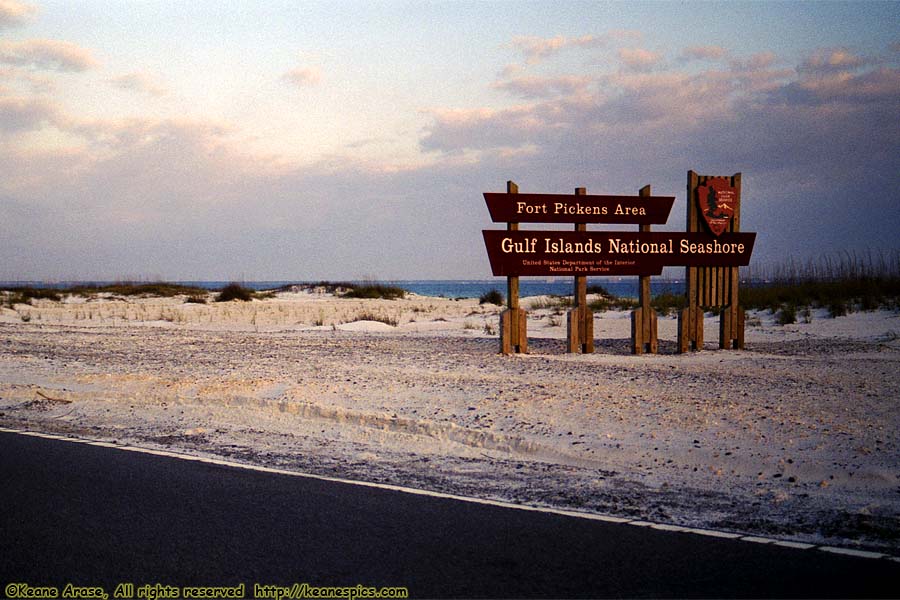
787,315
376,291
235,291
598,289
492,297
24,295
157,289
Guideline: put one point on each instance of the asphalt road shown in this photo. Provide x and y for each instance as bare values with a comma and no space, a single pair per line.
94,516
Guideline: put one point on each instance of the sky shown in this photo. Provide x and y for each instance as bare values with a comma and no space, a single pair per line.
287,140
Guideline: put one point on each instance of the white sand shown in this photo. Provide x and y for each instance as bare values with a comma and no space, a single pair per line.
797,437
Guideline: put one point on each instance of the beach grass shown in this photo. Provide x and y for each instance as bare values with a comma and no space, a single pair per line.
375,291
841,284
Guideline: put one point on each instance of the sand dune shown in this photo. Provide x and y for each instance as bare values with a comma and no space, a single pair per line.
796,437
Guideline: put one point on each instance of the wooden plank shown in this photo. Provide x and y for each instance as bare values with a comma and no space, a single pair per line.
720,286
691,273
684,331
580,320
580,280
725,328
588,324
505,333
512,283
637,331
647,323
687,331
690,329
698,327
513,321
522,336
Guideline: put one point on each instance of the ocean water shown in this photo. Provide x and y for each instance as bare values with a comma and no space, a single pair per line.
626,287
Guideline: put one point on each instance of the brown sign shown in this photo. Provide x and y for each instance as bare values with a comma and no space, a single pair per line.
718,203
588,253
571,208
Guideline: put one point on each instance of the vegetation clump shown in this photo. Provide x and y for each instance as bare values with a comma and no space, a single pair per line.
598,289
345,289
492,297
24,295
326,287
235,291
378,318
375,290
668,303
840,285
160,289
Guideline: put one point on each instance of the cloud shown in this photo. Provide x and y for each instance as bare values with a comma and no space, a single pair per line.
639,59
14,13
544,87
303,76
26,114
756,62
185,199
876,86
510,71
52,55
139,82
536,49
832,60
703,53
809,143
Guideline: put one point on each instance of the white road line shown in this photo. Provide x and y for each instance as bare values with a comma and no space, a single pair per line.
758,540
482,501
851,552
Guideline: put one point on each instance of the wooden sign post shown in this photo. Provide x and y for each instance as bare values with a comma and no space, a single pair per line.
580,320
713,207
644,329
513,320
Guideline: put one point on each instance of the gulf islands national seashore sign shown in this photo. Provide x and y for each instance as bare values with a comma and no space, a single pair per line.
610,253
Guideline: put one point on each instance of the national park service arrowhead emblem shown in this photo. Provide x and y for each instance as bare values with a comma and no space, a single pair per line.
718,203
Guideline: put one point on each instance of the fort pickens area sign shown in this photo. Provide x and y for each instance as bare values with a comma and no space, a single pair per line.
581,253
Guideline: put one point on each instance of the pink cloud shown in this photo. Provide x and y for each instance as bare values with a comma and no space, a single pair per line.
14,13
52,55
639,59
543,87
536,49
879,85
139,82
830,60
756,62
26,114
703,53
